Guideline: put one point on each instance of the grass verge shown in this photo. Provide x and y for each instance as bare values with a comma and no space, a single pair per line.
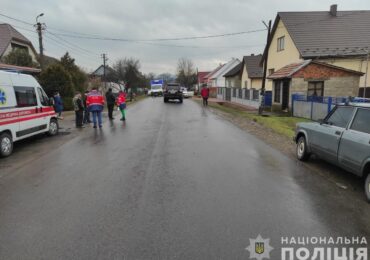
284,125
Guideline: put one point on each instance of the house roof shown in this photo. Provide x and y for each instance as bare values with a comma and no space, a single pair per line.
322,34
254,69
21,69
8,34
225,68
100,71
289,70
201,75
209,75
234,71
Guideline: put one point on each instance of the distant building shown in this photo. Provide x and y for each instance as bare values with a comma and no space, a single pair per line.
252,72
233,77
217,80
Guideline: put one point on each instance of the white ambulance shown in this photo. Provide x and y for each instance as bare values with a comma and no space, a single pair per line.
25,110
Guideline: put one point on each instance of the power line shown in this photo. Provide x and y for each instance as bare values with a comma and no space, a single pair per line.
71,44
102,38
68,48
96,37
15,19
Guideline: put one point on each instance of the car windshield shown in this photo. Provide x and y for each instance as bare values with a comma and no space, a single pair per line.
171,87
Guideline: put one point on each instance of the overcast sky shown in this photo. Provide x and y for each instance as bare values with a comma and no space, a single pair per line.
149,19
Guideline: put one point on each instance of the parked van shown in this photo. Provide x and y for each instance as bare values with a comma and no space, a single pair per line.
25,110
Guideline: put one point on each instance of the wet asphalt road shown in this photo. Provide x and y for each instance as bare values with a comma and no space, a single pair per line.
175,182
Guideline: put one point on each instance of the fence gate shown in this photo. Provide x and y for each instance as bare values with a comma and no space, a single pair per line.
268,98
228,94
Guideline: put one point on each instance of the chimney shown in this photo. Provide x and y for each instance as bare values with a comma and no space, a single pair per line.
333,10
252,54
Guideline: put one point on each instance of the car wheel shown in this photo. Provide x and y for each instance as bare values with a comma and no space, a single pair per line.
180,100
6,145
165,100
53,127
367,187
302,153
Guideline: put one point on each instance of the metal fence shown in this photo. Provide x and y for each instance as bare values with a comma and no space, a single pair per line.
248,97
314,108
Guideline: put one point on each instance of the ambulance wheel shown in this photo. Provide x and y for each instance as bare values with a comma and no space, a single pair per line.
6,144
53,127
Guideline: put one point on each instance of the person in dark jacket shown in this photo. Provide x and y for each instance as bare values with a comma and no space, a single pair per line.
86,119
111,99
79,109
58,104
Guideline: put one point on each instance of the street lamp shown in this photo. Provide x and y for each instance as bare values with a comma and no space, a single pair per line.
37,17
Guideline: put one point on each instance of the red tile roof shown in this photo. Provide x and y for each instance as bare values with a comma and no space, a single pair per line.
201,76
289,70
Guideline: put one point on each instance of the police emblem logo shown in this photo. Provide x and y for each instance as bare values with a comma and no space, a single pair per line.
259,248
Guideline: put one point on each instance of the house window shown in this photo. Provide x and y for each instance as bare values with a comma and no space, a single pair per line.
271,71
315,88
246,84
18,46
277,88
280,43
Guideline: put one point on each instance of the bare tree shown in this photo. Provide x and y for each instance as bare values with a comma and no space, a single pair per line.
128,71
186,74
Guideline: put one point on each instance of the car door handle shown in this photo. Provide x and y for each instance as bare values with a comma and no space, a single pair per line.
338,132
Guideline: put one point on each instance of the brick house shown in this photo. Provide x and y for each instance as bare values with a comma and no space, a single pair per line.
312,78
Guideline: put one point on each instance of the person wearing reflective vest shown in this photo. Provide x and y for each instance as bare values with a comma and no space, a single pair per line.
95,103
121,104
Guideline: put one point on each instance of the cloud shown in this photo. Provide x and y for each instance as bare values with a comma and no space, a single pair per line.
147,19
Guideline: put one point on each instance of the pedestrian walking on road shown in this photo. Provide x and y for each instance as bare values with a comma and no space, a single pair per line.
79,109
205,94
110,103
95,103
86,119
58,104
121,104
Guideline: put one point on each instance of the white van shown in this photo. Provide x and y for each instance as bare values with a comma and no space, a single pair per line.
25,110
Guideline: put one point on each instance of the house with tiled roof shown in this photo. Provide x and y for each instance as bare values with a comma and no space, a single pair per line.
233,77
217,80
312,78
252,72
11,39
338,38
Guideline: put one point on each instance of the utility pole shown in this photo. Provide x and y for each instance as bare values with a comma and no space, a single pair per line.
366,71
39,28
260,109
105,59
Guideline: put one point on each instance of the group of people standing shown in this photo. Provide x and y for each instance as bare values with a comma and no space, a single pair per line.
93,102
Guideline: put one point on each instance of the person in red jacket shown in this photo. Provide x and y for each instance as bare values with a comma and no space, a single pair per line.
121,104
95,103
205,94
